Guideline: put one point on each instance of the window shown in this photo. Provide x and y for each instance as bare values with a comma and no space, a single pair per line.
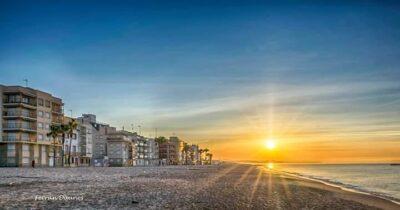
73,148
40,113
40,125
47,126
25,100
40,137
11,160
47,115
11,150
74,136
47,103
25,137
40,101
11,137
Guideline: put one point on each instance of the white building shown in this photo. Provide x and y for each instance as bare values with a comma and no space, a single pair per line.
119,149
98,137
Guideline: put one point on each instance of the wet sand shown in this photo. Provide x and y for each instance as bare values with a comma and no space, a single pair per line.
225,186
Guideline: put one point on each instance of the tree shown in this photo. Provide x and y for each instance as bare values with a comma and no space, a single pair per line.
54,132
63,129
200,155
206,153
160,140
185,150
71,127
209,158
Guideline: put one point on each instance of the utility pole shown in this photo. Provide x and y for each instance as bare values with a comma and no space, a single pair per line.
26,82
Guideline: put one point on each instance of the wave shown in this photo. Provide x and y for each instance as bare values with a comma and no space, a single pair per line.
342,186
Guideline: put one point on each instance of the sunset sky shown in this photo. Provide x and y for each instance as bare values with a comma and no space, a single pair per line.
322,79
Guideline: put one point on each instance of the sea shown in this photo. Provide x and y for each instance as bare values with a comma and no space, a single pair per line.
382,180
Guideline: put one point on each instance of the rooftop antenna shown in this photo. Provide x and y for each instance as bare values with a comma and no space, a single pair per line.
140,130
26,82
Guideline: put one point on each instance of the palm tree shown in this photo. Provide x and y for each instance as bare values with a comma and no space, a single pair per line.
71,127
63,129
200,153
160,140
54,131
185,150
206,152
209,158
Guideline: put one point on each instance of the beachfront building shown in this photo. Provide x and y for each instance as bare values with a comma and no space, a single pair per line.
152,152
145,149
26,115
167,153
120,149
194,154
178,144
98,134
85,144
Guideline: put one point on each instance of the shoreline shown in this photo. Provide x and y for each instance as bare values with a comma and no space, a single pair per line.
377,200
221,186
299,176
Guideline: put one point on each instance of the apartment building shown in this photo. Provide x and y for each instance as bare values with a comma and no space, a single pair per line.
98,134
178,143
167,153
85,143
120,149
152,152
194,154
26,115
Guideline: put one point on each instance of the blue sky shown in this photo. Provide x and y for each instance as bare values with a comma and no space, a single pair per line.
195,68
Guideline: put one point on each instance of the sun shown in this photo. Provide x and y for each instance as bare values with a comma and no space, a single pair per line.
270,144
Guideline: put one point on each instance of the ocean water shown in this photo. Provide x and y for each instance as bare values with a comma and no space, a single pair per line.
378,179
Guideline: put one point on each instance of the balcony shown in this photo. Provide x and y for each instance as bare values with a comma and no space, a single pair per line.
19,127
30,104
17,139
56,109
20,114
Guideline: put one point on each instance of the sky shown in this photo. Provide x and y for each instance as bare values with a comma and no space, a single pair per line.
321,79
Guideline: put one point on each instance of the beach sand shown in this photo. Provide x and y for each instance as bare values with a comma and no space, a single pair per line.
224,186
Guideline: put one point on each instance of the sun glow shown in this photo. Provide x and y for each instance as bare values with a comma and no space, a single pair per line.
270,144
270,166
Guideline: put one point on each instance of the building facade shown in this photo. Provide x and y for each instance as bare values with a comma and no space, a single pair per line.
120,149
98,135
152,152
26,115
178,143
167,153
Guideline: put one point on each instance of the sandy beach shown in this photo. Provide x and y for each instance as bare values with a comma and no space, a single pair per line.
224,186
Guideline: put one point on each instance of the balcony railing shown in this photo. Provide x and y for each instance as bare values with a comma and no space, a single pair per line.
14,138
19,114
19,101
12,126
57,109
